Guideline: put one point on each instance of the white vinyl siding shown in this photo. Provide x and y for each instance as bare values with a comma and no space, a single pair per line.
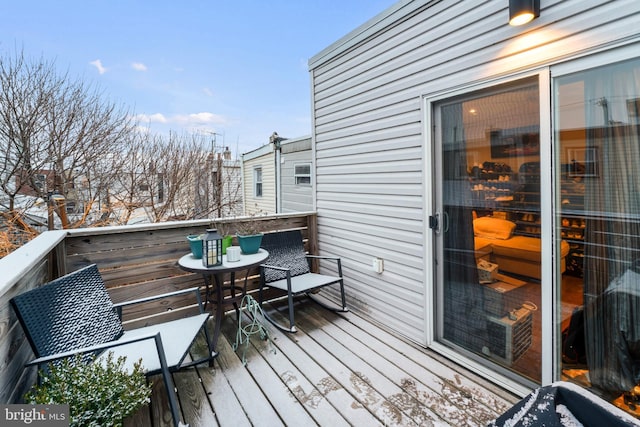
368,126
267,202
294,196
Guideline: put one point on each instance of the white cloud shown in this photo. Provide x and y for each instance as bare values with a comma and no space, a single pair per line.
152,118
138,66
98,64
190,122
198,119
143,129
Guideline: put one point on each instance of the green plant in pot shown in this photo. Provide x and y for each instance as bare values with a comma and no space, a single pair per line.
98,394
249,235
227,238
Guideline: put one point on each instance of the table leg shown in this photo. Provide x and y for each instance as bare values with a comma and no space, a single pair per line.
234,299
219,281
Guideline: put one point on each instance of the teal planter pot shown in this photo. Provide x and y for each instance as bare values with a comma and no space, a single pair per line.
250,244
195,242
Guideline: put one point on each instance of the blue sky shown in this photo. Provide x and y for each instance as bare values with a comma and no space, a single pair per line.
237,68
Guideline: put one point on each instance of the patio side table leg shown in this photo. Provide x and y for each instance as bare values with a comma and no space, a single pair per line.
219,310
233,295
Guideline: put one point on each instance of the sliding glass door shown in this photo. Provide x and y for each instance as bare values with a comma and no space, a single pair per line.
487,226
598,175
495,227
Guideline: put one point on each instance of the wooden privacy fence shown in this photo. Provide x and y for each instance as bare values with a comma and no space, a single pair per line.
135,262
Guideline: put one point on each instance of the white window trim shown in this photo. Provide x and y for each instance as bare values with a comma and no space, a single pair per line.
258,170
301,175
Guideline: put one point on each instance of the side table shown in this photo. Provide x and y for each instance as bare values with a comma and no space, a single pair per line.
214,281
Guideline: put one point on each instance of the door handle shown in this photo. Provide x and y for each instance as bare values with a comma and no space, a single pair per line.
445,222
434,222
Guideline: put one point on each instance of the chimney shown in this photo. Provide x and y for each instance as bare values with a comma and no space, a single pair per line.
227,153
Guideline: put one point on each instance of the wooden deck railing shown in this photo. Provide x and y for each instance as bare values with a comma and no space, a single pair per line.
135,261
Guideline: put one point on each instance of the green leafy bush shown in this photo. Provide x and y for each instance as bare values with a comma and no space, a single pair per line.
98,394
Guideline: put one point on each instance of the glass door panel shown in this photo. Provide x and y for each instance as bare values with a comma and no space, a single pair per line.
488,233
597,129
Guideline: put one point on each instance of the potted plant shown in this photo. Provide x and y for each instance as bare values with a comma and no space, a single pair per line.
100,394
227,238
249,235
195,243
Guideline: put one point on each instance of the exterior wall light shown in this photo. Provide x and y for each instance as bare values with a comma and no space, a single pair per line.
523,11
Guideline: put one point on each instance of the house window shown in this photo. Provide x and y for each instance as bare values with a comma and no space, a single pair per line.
41,182
257,182
302,174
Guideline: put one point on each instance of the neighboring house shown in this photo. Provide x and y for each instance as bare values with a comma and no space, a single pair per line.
213,191
278,177
223,193
43,179
259,180
435,114
295,189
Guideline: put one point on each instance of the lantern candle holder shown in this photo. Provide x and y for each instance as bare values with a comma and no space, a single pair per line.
212,248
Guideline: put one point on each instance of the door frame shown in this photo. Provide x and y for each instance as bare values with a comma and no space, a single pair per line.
433,245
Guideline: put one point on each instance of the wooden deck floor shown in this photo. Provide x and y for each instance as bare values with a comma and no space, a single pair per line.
337,370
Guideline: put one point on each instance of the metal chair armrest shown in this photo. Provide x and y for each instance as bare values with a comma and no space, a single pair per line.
97,347
332,258
195,290
274,267
338,261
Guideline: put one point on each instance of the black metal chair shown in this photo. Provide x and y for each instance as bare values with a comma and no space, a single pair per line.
75,315
288,269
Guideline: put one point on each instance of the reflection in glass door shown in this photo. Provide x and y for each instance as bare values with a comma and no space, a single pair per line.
488,236
598,152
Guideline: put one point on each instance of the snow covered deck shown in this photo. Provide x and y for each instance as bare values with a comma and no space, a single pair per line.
338,369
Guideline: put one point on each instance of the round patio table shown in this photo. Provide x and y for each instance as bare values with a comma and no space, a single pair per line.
214,282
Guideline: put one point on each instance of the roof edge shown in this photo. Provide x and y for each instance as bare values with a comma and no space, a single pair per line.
377,23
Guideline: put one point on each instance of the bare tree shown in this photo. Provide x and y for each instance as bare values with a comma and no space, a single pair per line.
62,137
55,132
228,185
159,177
125,194
87,136
177,177
26,92
171,173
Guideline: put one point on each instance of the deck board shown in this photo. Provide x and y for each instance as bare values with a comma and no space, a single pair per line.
364,378
302,391
226,406
319,375
426,382
194,400
337,370
261,369
256,407
408,396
